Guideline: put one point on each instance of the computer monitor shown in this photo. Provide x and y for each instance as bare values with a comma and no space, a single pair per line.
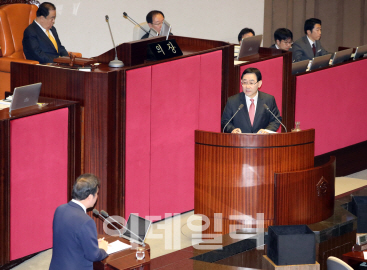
250,46
139,226
299,67
361,52
25,96
342,56
166,29
320,61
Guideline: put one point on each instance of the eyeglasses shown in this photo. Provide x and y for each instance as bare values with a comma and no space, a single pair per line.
158,23
288,42
248,83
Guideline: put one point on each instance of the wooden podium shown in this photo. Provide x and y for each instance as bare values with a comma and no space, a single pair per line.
251,178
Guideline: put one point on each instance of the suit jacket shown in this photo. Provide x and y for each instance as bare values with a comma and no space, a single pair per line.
75,243
302,50
263,118
37,46
273,46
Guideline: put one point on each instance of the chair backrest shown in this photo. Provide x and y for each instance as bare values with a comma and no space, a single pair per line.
14,19
138,33
334,263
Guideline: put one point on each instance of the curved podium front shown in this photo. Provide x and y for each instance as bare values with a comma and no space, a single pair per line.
235,177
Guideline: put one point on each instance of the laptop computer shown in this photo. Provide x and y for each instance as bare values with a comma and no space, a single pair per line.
361,52
341,56
250,46
166,28
25,96
320,62
299,67
139,226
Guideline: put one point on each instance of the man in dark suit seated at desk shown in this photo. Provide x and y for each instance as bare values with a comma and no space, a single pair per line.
283,39
245,33
75,243
40,40
253,117
155,20
309,46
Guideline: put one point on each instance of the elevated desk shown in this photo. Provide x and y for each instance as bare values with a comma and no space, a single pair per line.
332,101
40,159
139,121
253,178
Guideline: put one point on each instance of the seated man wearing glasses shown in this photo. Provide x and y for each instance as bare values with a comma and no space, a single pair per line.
283,39
253,117
155,20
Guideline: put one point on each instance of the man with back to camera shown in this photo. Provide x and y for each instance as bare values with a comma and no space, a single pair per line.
40,40
155,20
309,46
253,117
75,243
283,38
245,33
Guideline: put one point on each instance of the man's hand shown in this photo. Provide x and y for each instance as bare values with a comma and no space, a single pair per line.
102,244
236,130
262,131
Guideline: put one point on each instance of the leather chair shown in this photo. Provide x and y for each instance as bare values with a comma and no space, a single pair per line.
14,19
334,263
138,33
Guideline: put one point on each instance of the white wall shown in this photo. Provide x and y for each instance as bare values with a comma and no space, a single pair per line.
82,27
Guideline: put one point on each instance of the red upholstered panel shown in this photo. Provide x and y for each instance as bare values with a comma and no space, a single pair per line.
174,117
137,173
333,102
38,179
272,77
210,91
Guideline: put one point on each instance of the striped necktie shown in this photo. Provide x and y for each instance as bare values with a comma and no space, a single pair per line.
52,40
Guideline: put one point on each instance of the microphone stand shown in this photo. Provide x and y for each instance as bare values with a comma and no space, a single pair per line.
114,63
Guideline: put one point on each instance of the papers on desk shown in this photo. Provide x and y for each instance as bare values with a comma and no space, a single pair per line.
365,255
116,246
4,104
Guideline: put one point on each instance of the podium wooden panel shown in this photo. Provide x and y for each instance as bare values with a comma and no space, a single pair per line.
18,240
234,174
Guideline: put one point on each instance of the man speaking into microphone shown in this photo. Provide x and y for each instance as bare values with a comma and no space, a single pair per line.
245,112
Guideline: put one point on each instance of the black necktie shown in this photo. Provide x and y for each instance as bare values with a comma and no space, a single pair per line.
314,49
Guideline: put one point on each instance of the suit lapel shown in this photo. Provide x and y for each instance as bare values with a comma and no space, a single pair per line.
259,110
308,48
44,37
246,116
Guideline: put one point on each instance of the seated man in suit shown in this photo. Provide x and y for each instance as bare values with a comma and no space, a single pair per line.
245,33
155,20
309,46
283,39
253,117
75,243
40,40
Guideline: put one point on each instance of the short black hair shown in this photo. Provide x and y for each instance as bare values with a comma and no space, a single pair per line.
252,70
44,9
245,31
85,185
283,34
310,24
151,14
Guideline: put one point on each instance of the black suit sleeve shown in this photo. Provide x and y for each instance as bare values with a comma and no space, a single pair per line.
228,112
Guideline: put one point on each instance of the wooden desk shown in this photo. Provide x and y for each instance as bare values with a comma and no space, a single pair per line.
39,162
354,258
124,259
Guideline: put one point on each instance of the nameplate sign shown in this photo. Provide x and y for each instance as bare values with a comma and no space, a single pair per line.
164,49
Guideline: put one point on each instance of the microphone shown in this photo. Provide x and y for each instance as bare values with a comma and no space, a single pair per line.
114,63
134,22
239,108
106,215
95,211
267,108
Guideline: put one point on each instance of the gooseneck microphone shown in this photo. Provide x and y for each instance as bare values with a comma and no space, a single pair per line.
134,22
114,63
106,216
239,108
96,212
267,108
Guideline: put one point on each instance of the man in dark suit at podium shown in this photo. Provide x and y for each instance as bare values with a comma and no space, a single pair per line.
40,40
75,243
247,107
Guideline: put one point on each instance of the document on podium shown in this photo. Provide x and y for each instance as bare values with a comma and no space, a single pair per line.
116,246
